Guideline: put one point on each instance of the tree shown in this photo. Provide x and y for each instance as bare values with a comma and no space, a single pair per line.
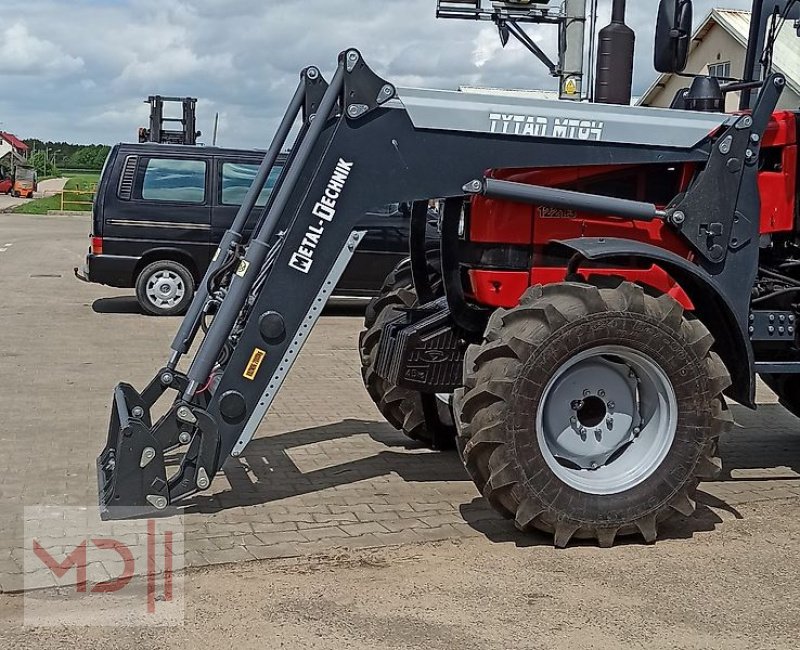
42,164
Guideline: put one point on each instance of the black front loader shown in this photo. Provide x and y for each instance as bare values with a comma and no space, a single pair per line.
359,146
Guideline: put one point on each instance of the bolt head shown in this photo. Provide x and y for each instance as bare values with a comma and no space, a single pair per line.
587,392
202,483
184,437
137,411
637,430
167,378
601,393
678,217
612,405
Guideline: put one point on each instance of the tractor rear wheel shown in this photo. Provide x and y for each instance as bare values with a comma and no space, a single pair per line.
592,413
401,407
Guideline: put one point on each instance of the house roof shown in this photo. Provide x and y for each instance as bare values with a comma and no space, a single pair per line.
737,23
14,141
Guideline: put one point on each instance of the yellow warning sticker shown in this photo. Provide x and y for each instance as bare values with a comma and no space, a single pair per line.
254,364
242,270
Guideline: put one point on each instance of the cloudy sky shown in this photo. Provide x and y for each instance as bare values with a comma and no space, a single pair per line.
78,70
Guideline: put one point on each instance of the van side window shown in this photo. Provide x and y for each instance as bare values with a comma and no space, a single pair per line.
237,179
169,179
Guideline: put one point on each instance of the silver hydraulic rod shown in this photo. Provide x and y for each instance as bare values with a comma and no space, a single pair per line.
258,251
191,323
553,197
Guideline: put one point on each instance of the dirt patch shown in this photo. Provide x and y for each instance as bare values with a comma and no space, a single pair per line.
733,587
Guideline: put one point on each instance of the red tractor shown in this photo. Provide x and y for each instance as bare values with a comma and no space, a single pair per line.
540,421
615,276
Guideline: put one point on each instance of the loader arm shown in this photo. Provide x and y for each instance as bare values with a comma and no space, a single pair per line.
367,145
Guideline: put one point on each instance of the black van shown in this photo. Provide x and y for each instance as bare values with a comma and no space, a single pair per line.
161,210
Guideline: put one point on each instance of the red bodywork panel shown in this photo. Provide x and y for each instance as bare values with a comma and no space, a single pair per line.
498,222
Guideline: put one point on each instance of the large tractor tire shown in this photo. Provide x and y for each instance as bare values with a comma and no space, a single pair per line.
592,413
401,407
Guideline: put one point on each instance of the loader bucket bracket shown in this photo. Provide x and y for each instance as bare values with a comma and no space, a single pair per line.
130,471
364,91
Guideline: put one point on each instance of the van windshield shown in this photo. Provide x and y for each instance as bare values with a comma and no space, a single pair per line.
237,179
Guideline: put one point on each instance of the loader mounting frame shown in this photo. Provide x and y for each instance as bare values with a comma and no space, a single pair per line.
363,144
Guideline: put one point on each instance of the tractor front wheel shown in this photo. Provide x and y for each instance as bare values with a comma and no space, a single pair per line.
592,413
402,408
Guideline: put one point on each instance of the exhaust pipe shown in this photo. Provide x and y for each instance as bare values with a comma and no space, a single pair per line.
615,52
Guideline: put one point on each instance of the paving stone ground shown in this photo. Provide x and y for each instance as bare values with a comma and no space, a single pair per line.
325,471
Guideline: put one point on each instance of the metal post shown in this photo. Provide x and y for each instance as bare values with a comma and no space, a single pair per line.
749,73
573,33
243,280
759,20
191,323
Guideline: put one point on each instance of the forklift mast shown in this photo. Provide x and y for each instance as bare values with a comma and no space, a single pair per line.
158,131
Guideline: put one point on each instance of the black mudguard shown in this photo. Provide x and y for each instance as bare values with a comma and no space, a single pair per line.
712,306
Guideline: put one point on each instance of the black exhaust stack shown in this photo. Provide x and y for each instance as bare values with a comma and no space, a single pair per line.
615,52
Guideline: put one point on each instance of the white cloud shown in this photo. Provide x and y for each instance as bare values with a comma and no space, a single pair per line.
487,45
24,53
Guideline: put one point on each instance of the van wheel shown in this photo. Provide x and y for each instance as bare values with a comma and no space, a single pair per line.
165,288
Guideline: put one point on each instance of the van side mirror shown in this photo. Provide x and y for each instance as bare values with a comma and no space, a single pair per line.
673,35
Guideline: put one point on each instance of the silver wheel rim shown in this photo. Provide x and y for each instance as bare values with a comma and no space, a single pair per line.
165,289
607,420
